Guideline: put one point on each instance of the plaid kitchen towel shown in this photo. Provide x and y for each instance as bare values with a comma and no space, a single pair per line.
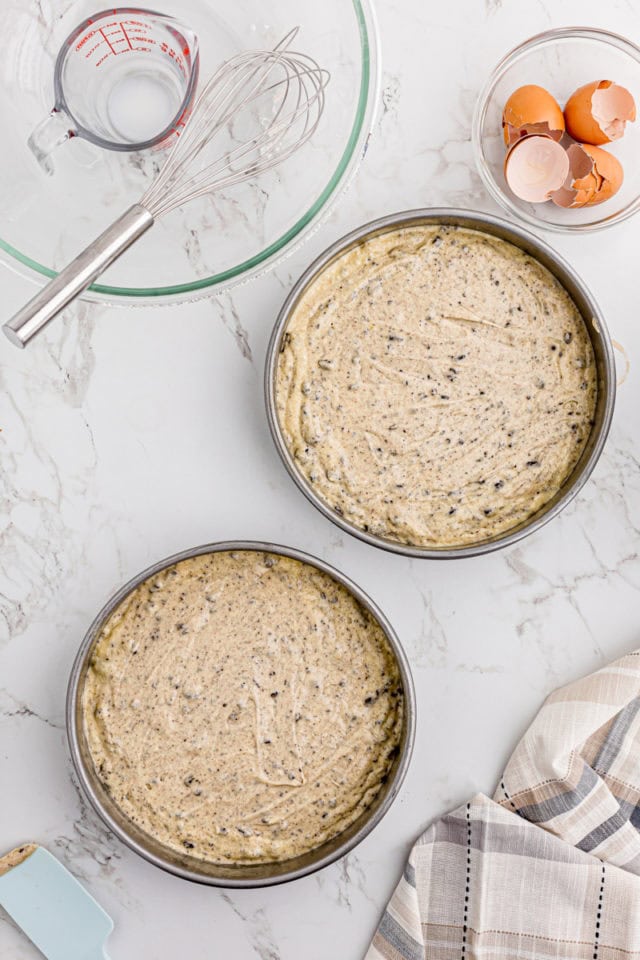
550,868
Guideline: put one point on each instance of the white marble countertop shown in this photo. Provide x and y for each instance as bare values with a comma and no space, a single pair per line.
129,435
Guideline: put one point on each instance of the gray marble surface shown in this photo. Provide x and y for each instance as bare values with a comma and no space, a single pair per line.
128,435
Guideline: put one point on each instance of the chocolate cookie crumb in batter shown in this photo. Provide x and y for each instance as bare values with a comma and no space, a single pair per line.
436,385
242,707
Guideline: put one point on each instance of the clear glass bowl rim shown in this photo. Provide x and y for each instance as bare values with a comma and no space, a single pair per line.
284,245
497,194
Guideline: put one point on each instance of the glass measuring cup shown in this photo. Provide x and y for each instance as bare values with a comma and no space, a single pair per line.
123,80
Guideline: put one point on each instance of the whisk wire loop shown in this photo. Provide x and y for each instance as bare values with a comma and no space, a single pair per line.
256,110
292,86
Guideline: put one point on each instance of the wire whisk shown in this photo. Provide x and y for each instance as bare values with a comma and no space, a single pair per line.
257,109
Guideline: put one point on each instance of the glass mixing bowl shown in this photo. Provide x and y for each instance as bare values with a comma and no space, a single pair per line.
561,61
212,242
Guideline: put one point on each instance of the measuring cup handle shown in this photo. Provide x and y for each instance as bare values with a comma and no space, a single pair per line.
49,134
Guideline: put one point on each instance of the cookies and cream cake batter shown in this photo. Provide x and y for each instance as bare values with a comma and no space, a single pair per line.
436,385
242,707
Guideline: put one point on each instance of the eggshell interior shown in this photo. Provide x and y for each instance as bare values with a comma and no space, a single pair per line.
536,167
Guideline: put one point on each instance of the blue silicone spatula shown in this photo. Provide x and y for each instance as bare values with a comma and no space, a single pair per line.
52,908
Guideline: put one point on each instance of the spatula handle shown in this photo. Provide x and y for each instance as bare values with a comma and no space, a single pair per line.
78,275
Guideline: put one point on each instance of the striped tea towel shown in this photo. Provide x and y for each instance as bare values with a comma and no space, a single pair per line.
550,868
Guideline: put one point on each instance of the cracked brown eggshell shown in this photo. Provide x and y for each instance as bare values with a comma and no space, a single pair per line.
535,168
531,111
594,176
598,112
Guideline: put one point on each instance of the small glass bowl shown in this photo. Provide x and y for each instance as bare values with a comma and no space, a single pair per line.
560,61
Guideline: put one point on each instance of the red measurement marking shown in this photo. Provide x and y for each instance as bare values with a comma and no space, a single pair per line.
185,50
107,41
126,35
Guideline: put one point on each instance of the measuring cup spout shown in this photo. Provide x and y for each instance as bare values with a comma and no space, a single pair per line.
49,134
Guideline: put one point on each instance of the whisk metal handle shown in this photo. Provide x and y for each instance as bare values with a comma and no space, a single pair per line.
78,275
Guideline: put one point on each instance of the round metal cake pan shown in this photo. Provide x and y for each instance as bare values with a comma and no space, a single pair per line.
596,328
190,868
